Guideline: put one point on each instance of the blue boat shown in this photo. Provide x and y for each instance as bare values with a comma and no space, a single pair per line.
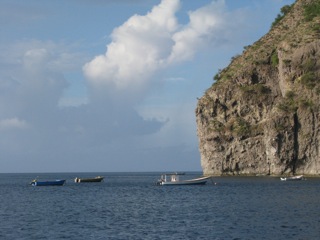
58,182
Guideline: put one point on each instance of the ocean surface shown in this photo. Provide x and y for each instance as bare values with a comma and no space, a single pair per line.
131,206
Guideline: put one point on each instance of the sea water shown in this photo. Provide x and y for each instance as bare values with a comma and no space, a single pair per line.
131,206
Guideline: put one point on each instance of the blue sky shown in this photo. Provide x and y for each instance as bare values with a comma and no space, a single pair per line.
102,85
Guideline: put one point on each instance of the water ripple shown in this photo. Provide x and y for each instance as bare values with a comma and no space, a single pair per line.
130,206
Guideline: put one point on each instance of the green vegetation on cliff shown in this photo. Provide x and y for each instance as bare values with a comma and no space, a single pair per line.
311,11
284,10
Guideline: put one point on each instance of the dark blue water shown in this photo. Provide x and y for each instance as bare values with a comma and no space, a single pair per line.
130,206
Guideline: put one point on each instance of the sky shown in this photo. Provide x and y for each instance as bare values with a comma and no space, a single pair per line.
112,85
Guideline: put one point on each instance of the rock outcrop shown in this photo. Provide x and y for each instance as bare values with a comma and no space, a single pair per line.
262,114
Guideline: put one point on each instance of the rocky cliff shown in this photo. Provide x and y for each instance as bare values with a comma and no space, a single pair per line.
262,114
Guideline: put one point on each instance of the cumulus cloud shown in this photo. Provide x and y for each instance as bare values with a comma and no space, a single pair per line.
138,48
143,45
204,24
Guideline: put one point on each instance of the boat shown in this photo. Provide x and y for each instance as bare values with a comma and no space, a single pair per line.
57,182
294,178
96,179
173,179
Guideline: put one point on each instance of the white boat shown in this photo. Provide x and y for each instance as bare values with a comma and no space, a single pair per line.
173,179
294,178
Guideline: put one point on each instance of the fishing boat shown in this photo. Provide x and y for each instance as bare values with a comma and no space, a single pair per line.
96,179
57,182
294,178
173,179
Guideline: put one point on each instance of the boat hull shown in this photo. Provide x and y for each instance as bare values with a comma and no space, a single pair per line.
48,183
295,178
197,181
86,180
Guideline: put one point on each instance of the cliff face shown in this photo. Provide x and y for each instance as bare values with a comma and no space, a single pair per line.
262,115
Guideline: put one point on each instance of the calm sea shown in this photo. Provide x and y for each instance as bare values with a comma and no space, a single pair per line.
131,206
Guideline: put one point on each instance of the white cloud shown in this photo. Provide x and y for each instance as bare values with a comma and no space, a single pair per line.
138,48
175,79
143,45
204,23
36,59
12,123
